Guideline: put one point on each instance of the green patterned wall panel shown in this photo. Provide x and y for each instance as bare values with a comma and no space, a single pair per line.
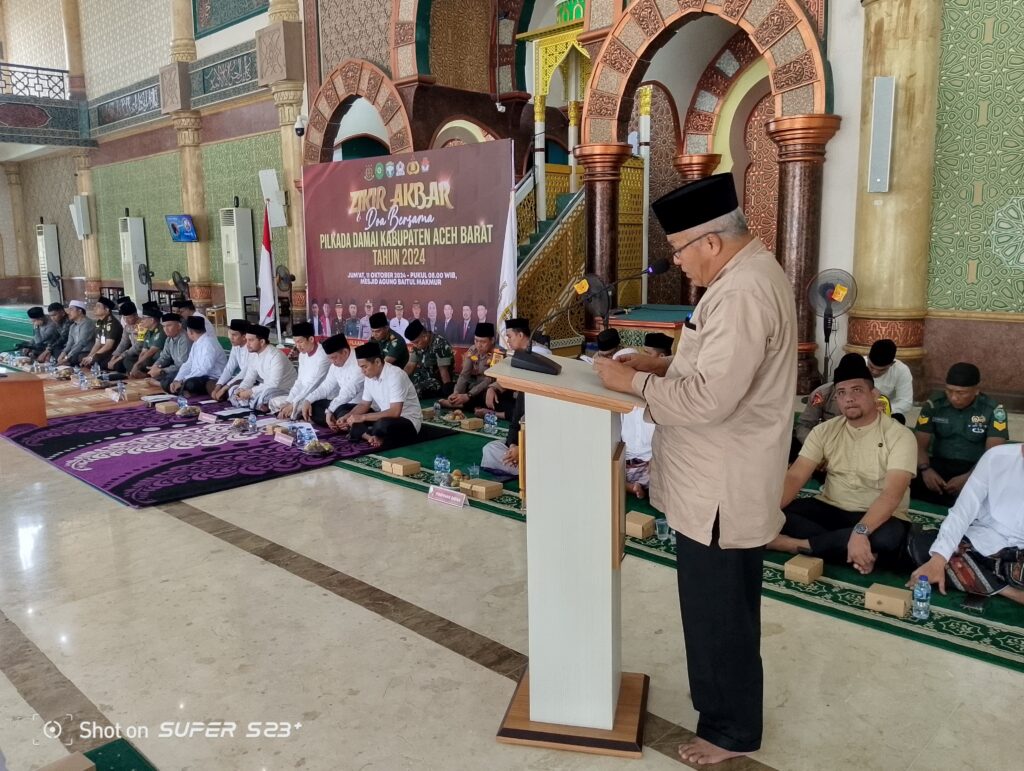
977,244
232,168
209,16
149,188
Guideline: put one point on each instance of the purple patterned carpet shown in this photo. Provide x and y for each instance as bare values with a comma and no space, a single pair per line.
142,457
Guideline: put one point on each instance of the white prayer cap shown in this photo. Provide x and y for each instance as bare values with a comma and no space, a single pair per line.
77,304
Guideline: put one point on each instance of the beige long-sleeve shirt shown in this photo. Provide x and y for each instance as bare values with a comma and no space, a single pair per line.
724,409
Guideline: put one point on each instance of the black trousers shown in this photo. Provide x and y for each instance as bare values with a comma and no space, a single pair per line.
947,469
828,529
196,386
720,601
392,432
320,411
506,403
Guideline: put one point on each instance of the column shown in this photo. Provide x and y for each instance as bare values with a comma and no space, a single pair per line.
892,237
801,140
90,244
644,95
288,98
26,255
183,40
283,10
602,165
188,125
73,47
575,110
539,142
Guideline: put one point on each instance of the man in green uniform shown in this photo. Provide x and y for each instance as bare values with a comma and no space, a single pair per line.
430,363
144,353
391,345
958,428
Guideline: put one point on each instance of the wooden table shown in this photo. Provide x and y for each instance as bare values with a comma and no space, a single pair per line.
21,400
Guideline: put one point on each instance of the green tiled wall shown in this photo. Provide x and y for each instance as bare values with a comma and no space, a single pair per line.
149,188
977,245
232,169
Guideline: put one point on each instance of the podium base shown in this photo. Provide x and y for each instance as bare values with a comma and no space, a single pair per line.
624,740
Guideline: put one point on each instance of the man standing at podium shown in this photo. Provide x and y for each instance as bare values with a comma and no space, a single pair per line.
723,410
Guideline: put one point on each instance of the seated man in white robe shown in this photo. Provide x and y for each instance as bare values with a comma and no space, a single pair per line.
340,391
980,546
268,374
206,359
238,358
313,366
389,414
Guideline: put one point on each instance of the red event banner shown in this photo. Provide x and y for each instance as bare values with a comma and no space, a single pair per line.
418,235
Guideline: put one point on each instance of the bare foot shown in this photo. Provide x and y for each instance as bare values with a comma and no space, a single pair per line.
481,412
788,544
1012,593
637,489
374,441
703,753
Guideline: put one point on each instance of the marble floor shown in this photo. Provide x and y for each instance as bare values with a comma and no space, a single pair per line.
385,632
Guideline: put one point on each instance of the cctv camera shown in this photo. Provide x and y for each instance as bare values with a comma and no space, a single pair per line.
300,125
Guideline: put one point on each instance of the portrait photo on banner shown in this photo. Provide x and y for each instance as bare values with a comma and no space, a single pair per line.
414,236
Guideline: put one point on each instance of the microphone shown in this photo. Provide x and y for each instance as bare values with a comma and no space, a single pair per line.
588,291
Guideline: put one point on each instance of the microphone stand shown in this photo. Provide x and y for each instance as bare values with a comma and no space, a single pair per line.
535,362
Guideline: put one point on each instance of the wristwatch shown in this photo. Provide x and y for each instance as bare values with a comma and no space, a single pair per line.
923,467
861,529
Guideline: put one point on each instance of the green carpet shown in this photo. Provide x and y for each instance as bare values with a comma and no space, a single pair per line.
119,755
995,636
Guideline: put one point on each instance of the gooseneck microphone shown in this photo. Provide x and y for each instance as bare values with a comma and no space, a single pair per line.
596,295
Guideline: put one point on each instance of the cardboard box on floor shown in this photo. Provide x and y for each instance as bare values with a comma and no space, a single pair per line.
472,424
74,762
481,489
401,467
804,569
428,413
166,408
639,525
888,599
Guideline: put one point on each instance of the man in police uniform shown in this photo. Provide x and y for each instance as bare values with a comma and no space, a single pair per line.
821,407
108,334
391,345
723,406
430,362
471,387
958,427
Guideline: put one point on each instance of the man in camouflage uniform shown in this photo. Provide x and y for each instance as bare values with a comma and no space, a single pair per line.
471,387
953,433
430,363
821,406
392,347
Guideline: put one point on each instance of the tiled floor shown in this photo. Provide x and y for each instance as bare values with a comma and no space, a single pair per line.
386,626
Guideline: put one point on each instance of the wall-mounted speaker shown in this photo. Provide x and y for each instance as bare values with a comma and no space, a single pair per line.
883,107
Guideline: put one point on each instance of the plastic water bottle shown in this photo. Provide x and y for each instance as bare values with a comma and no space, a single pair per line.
96,371
182,402
490,423
82,385
922,599
252,422
122,393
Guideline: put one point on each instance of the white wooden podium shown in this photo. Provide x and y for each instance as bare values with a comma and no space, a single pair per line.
574,695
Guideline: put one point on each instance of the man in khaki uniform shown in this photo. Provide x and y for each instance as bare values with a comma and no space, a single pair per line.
871,459
723,406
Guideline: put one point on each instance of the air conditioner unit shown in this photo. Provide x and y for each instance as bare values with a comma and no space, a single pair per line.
132,231
49,261
239,261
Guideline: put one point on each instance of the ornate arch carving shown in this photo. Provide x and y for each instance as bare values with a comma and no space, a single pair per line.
784,35
354,78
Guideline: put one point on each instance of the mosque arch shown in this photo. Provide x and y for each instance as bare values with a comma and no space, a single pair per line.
785,36
354,78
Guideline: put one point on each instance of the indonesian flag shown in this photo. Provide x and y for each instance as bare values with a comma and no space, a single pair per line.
268,291
508,278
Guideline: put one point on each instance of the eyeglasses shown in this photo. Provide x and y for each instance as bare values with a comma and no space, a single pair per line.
688,244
